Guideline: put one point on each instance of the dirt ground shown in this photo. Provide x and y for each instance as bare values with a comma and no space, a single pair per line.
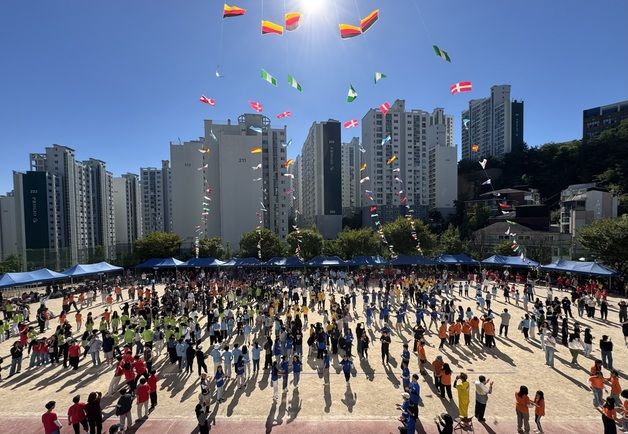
366,404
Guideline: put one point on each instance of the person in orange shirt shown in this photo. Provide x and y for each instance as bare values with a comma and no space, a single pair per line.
615,386
466,331
609,414
452,334
420,348
109,300
445,381
597,387
489,333
437,367
78,317
118,292
522,402
457,331
475,327
106,315
442,334
539,410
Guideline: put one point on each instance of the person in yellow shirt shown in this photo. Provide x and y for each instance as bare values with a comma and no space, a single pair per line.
463,396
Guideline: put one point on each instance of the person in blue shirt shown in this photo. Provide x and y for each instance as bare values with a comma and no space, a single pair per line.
326,359
346,367
274,378
277,350
409,421
414,391
289,346
239,370
405,355
220,383
285,369
297,367
369,315
348,343
405,376
354,299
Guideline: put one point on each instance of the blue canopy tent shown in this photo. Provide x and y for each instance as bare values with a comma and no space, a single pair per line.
45,275
289,262
88,269
243,262
411,260
510,261
168,263
149,263
326,261
368,261
15,279
461,259
591,268
203,263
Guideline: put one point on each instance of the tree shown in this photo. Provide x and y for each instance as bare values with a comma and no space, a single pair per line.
358,242
503,249
332,248
11,264
399,234
449,242
311,243
435,220
478,217
607,239
269,244
211,248
158,245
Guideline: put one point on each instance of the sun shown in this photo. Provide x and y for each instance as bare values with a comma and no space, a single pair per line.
312,7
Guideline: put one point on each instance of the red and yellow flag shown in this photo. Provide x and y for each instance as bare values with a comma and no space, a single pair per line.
363,167
366,23
232,11
288,163
349,31
391,159
256,150
475,148
292,20
270,27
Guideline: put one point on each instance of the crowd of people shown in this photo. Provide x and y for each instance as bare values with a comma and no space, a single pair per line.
234,318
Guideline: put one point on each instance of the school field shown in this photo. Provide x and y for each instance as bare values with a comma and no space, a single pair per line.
367,405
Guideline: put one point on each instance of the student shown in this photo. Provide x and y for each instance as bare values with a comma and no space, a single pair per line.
539,410
76,415
463,395
297,367
522,402
445,381
152,388
142,393
274,378
624,394
346,367
50,421
615,386
444,424
609,414
202,412
414,391
405,376
219,377
123,408
597,387
94,413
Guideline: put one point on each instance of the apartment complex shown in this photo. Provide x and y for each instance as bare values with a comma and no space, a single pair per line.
492,126
350,175
156,198
597,119
582,204
128,209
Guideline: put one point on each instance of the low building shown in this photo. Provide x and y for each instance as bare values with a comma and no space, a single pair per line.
582,204
595,120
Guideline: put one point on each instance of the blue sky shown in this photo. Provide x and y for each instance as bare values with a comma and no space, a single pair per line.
118,80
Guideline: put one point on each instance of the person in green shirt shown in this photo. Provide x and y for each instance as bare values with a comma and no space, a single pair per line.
103,325
129,334
147,335
115,322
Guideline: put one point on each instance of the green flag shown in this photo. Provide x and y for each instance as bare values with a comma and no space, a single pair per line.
352,95
379,76
292,81
269,78
441,53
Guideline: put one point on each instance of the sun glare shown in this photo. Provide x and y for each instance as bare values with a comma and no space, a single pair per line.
312,7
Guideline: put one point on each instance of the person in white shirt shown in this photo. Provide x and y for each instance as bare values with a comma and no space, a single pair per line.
481,396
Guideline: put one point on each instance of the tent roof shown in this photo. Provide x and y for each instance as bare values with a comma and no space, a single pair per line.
243,262
289,262
149,263
510,261
326,261
14,279
592,268
411,260
160,263
460,259
44,274
368,260
203,263
87,269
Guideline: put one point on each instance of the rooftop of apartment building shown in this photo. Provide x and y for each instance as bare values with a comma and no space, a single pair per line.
579,191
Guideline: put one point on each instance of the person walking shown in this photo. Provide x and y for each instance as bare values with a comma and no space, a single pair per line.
200,360
481,396
522,404
77,416
606,347
255,356
50,420
539,410
152,388
550,349
93,413
505,322
297,367
274,378
609,414
123,408
219,377
347,364
202,418
385,340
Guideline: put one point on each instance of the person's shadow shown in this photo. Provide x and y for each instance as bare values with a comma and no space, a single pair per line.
327,392
350,398
295,406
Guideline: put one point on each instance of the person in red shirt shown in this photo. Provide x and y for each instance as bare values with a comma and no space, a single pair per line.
117,376
73,353
140,368
77,416
142,393
539,411
50,421
152,385
129,375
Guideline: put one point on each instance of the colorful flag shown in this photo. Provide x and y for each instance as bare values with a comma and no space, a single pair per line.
292,20
379,76
386,139
288,163
363,180
232,11
285,145
269,78
292,82
349,31
256,150
369,20
475,147
206,100
363,167
487,182
352,95
441,53
462,86
465,122
283,115
204,150
256,106
384,108
351,124
504,205
270,27
483,163
391,159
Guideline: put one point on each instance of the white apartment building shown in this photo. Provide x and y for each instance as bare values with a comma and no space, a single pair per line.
351,175
220,191
321,178
492,126
128,208
582,204
8,234
156,198
424,166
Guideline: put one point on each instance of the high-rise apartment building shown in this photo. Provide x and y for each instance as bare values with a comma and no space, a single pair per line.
351,175
8,235
412,152
595,120
156,198
223,189
321,178
492,126
297,203
100,196
128,209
